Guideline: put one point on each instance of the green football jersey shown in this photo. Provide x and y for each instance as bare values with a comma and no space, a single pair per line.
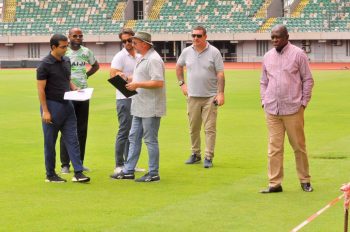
78,60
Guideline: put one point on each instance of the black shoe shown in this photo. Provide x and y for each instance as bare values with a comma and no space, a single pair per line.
148,178
80,177
193,159
55,179
208,163
276,189
306,187
122,175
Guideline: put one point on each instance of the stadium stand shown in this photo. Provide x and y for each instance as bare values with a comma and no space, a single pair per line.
34,17
239,28
29,17
318,15
1,9
218,16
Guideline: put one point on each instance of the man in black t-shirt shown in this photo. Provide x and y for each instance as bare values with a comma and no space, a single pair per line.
53,80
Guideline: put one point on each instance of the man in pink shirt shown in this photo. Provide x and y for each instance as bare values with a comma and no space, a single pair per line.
285,88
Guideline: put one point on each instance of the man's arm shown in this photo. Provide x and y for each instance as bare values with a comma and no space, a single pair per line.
93,69
220,97
113,72
72,86
180,77
46,116
306,79
263,84
144,84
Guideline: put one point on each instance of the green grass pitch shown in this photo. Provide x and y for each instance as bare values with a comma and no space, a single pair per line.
188,198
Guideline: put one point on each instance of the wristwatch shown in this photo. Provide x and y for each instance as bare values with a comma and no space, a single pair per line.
181,83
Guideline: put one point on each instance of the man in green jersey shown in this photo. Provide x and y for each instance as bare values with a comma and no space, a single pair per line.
79,57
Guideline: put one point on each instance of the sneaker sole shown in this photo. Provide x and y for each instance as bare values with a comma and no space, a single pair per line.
122,178
137,180
49,181
208,166
197,162
81,180
147,181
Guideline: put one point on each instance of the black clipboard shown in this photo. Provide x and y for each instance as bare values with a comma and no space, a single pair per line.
120,83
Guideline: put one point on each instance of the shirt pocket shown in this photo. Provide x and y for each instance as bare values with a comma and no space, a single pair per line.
210,65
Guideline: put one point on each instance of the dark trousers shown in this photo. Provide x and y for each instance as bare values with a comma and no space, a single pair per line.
63,120
81,109
122,141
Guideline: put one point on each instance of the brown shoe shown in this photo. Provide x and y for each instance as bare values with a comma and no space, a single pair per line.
276,189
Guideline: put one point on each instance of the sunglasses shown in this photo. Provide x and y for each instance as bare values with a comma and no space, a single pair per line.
197,35
127,40
77,36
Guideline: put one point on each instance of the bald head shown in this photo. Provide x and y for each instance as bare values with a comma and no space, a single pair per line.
74,30
75,38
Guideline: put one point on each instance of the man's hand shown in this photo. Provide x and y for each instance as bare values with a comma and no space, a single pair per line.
220,99
73,87
132,86
184,89
46,117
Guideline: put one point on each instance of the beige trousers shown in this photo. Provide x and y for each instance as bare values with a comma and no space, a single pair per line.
277,127
202,110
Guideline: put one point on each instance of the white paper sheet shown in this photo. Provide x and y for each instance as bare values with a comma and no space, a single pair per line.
79,95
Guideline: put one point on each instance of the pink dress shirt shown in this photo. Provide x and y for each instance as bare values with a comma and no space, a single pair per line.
286,81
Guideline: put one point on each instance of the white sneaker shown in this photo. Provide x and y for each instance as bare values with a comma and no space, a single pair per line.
85,169
118,169
65,170
140,169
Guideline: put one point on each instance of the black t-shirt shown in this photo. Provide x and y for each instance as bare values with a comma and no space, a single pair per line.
57,76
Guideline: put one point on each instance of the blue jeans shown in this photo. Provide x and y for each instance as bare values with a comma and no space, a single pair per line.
146,128
122,142
64,120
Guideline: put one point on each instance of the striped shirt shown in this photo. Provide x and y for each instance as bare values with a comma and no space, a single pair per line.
286,81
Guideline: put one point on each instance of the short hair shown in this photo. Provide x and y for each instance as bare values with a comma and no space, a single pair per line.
56,38
282,28
200,28
127,31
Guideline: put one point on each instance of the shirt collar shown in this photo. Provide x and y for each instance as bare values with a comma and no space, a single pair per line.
50,59
127,53
148,53
206,47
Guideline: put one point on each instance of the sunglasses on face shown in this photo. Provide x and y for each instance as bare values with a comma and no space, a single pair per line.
127,40
77,36
197,35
